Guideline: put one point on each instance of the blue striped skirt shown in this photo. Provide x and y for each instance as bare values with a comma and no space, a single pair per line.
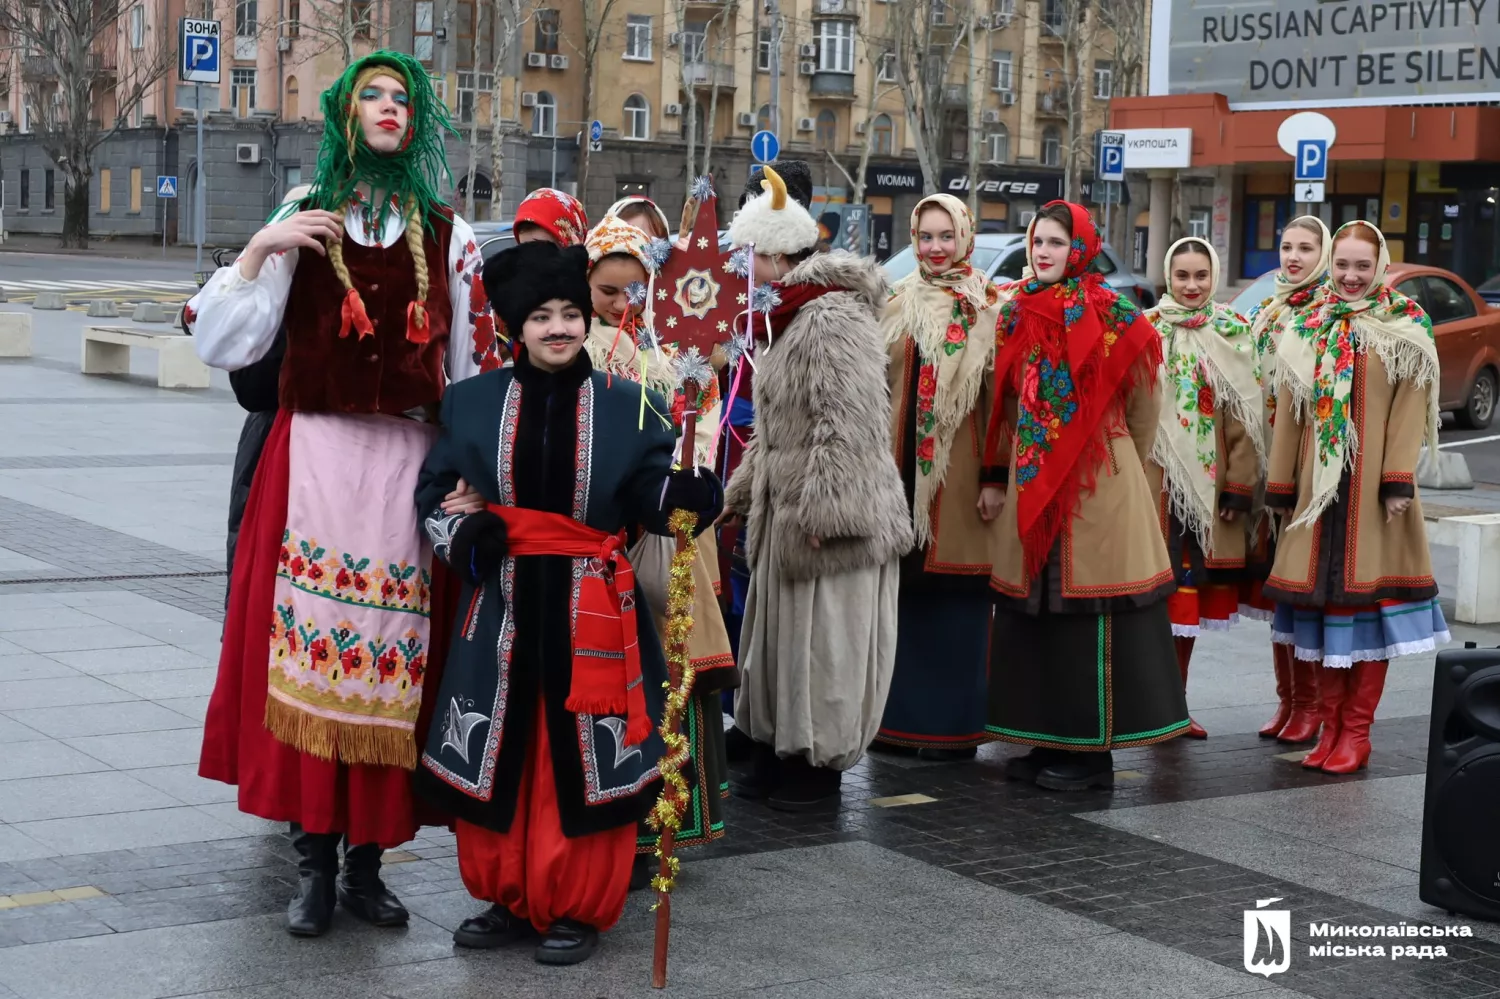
1342,636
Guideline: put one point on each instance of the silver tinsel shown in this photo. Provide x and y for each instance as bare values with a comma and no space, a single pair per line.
658,250
765,298
735,348
635,292
691,366
702,189
645,338
740,261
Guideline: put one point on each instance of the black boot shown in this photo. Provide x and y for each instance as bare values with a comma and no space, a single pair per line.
311,911
1079,772
361,892
641,871
805,787
763,775
567,942
495,927
1027,767
738,747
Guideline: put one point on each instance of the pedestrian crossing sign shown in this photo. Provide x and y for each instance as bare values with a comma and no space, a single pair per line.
166,186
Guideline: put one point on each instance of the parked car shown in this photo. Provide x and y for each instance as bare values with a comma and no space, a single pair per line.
493,237
1467,329
1490,290
1003,255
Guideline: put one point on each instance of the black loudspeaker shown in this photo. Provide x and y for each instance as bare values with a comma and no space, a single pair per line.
1461,814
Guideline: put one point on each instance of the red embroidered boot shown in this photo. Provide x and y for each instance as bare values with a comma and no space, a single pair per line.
1302,726
1333,687
1279,656
1184,656
1353,750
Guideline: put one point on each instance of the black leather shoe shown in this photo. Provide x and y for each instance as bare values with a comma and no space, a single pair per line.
763,775
1027,767
804,787
567,942
738,747
494,927
935,754
1079,772
641,871
311,912
361,892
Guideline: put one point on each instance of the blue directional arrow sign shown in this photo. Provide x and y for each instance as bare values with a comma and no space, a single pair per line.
166,186
1312,161
764,146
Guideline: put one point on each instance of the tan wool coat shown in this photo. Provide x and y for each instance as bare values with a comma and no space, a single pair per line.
1237,475
1378,560
1112,547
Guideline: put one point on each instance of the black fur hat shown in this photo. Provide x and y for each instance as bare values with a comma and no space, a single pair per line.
795,174
526,275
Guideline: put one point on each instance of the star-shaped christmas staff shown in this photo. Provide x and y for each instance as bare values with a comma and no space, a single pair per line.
696,289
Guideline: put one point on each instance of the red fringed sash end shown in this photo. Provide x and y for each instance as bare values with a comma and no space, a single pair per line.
417,327
353,315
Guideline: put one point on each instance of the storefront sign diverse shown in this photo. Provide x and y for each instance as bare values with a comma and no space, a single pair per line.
1039,187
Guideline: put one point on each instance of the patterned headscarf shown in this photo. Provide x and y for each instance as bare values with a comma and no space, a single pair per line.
1072,351
1316,364
948,317
1270,319
556,211
634,347
1209,362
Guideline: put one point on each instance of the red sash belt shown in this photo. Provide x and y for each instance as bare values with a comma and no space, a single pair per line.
606,653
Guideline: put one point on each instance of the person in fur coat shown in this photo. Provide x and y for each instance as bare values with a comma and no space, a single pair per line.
827,517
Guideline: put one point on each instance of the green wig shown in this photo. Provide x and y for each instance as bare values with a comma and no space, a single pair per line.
409,175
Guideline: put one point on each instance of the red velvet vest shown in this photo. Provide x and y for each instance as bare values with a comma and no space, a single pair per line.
384,373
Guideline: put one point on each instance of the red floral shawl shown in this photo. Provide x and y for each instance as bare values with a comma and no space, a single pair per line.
1073,352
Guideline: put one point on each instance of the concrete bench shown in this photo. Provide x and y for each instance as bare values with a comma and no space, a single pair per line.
15,334
1477,539
106,351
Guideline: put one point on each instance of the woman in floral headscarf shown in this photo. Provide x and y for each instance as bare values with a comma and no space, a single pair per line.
1357,382
937,334
1209,449
1082,659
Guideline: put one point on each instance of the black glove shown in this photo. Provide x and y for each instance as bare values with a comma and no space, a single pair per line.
478,546
698,492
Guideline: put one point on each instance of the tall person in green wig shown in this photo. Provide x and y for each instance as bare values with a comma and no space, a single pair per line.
318,709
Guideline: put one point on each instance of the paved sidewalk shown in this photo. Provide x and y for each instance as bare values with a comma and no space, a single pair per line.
123,875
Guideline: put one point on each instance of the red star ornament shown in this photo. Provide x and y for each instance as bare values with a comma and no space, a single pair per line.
695,291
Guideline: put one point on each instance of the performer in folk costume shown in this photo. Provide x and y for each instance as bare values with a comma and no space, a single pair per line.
1210,448
549,761
317,710
1300,286
826,517
938,333
1082,659
610,349
1357,385
545,214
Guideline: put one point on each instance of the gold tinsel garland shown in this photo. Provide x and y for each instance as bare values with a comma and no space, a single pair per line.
669,807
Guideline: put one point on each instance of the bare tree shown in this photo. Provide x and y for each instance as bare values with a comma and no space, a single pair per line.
1124,22
595,14
927,37
343,26
83,63
701,61
1074,24
478,28
510,17
876,51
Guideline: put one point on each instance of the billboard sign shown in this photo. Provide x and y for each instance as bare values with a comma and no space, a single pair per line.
1269,54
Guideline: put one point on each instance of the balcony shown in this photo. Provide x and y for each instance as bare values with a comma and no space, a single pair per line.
955,95
709,74
832,86
1052,104
40,67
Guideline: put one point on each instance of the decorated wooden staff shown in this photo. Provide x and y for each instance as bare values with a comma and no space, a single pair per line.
696,305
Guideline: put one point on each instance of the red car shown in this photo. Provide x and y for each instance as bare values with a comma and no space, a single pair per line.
1467,330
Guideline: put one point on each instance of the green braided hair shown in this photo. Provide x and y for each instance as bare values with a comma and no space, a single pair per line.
409,175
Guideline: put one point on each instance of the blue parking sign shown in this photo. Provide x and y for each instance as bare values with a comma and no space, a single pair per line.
198,43
1312,160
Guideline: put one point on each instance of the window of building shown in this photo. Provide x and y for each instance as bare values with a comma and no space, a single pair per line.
1053,16
291,176
638,36
637,117
763,51
544,115
763,119
464,56
827,134
548,29
958,138
137,29
293,99
242,91
136,114
941,14
294,18
1051,147
468,94
1003,8
246,18
25,188
999,145
362,15
1104,77
104,179
694,42
421,42
835,46
1002,71
882,136
887,71
1198,224
49,189
135,190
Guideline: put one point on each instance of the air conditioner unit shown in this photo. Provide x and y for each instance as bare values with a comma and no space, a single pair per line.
746,119
991,117
559,62
808,51
671,110
1008,97
982,22
247,152
536,60
834,6
861,127
807,67
528,100
4,117
999,22
806,124
284,44
674,39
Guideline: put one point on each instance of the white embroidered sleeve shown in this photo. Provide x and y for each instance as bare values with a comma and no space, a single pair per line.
471,339
237,319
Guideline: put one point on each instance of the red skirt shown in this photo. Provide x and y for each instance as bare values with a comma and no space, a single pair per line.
370,804
1194,609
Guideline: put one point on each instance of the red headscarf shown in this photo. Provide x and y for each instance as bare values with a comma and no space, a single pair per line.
558,212
1073,352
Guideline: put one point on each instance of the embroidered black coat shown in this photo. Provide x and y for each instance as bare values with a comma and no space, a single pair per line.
566,443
